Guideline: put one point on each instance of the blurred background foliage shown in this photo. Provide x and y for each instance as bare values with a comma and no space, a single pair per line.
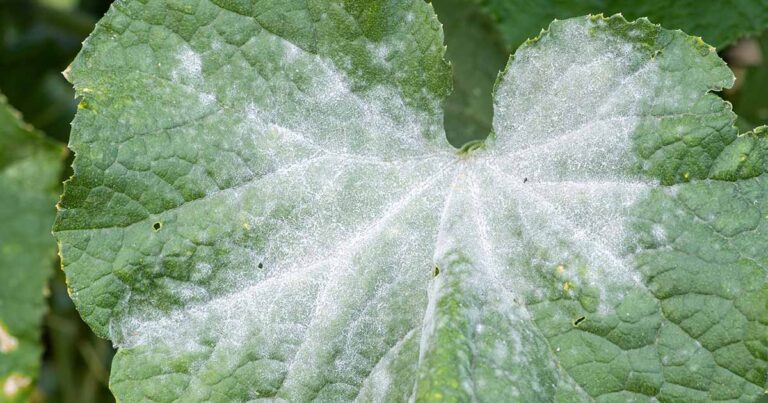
39,38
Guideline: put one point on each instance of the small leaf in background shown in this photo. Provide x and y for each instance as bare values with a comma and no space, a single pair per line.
750,60
265,205
37,43
30,166
63,5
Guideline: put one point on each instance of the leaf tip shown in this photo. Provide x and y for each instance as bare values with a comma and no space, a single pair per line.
67,73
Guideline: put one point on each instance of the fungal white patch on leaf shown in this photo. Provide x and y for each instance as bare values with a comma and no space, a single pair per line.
14,384
190,65
563,149
189,72
359,182
314,206
8,343
333,240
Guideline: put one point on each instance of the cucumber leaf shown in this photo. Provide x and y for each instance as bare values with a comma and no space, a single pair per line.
265,205
30,166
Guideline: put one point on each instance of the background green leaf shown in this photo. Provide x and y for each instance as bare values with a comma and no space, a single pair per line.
749,99
29,172
718,23
37,41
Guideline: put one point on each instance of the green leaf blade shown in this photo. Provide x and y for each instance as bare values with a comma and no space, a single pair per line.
281,217
677,132
30,166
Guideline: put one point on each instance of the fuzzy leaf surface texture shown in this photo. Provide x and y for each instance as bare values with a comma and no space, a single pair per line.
265,206
29,181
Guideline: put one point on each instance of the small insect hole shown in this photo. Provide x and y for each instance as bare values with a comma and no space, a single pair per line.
261,265
157,226
525,180
435,271
578,321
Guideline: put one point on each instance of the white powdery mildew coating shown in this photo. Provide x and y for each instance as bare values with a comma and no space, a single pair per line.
329,116
325,142
563,148
369,183
559,171
8,343
381,379
14,384
189,72
478,223
190,64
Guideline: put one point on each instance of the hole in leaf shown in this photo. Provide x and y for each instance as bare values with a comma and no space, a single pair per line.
525,180
156,226
435,271
578,321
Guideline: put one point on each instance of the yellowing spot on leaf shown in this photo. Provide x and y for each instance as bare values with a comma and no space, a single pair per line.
14,384
566,286
743,157
560,269
8,343
246,226
686,175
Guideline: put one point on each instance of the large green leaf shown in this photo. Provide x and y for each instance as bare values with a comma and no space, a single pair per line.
265,205
29,174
